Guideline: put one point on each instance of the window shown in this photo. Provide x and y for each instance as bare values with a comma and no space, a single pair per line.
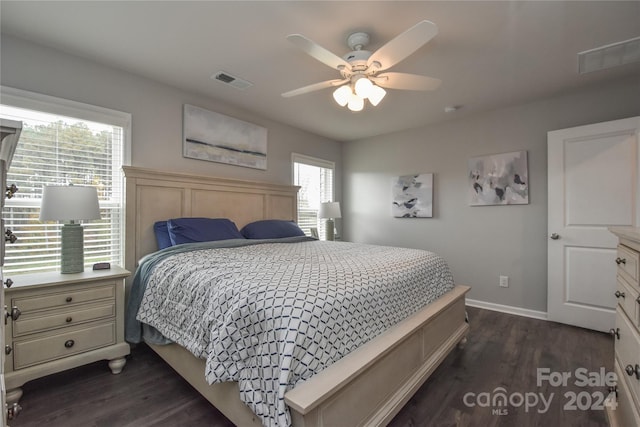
63,142
315,178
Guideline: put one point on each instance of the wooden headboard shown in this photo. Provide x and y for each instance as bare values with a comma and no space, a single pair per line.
153,195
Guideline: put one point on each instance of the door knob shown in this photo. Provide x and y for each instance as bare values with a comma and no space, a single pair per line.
554,236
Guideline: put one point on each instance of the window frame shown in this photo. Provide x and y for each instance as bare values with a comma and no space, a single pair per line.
317,162
64,107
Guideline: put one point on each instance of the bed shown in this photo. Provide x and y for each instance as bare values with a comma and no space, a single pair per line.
369,385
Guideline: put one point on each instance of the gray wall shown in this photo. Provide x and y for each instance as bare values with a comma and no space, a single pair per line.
480,243
156,111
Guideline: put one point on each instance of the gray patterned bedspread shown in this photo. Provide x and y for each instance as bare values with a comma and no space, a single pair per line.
272,314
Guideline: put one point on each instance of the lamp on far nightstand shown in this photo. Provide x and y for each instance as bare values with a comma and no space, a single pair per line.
329,211
70,203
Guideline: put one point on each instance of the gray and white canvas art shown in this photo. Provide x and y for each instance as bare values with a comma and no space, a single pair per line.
218,138
499,179
413,196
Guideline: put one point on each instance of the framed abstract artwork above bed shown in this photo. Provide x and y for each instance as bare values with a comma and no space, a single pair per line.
218,138
499,179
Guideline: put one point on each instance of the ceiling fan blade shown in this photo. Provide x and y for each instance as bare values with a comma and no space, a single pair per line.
314,87
406,81
318,52
403,45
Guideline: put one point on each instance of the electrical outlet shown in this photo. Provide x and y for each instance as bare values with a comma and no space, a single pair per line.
504,281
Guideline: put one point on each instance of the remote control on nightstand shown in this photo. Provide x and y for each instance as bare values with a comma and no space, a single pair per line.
102,266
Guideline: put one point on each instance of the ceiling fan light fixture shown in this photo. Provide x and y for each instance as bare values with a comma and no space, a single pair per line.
342,95
363,87
355,103
376,94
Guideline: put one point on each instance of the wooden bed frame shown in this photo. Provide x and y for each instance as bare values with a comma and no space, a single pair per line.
368,386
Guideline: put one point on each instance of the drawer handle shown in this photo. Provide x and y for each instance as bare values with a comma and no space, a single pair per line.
633,370
638,300
69,299
8,283
11,190
619,294
615,332
10,237
7,349
13,314
69,343
69,319
620,260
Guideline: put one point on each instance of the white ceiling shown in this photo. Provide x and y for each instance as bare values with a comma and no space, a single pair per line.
488,54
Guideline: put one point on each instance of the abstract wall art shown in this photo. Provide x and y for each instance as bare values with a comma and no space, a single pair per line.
499,179
223,139
413,196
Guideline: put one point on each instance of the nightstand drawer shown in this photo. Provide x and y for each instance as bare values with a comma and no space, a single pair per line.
33,352
628,263
27,325
63,299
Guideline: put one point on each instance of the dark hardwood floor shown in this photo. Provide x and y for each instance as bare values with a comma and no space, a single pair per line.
502,351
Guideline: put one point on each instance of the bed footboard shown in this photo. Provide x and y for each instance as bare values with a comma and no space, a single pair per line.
372,384
367,387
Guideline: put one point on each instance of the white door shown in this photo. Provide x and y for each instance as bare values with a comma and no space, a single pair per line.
593,184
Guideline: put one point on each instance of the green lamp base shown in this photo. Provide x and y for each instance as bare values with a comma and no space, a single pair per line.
329,233
72,257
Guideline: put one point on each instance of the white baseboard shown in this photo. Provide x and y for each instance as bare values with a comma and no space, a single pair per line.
518,311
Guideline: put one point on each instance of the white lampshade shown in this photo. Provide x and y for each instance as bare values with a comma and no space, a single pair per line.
329,210
69,203
376,93
355,103
363,87
342,95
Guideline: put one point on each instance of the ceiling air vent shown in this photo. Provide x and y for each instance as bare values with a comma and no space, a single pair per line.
609,56
227,78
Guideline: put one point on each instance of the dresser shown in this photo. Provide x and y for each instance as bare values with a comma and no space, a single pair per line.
627,330
9,134
61,321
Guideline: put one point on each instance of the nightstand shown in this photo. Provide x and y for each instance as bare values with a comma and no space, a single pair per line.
60,321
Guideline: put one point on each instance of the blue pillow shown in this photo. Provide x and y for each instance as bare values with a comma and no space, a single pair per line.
190,230
161,231
271,229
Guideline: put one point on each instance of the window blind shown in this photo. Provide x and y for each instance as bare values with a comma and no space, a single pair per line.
315,178
61,150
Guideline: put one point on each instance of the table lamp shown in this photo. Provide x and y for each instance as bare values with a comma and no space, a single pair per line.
329,211
70,204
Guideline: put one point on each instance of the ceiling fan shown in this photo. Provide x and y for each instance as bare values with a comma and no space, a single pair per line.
362,71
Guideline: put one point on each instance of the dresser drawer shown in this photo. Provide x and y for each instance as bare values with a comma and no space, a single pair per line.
32,352
625,413
32,324
63,299
628,353
627,297
628,262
